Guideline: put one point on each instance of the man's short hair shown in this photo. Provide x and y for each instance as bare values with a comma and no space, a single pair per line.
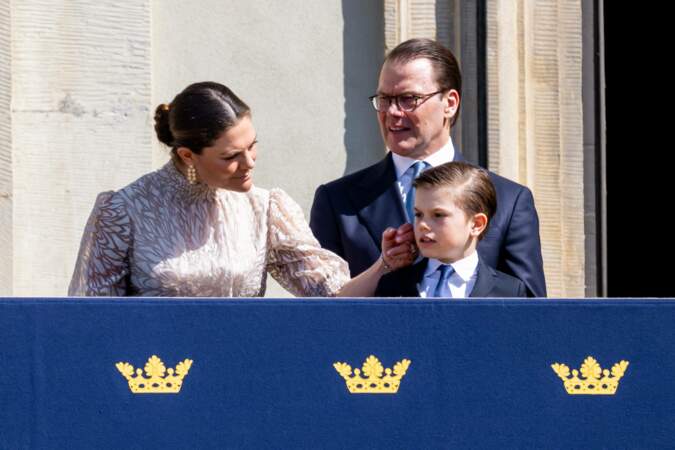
472,188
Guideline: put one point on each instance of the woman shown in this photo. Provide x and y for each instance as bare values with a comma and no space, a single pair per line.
198,226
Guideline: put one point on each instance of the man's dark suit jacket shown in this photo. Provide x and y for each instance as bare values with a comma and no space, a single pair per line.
489,282
349,215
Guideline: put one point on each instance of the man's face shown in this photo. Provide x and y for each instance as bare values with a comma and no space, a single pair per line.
423,131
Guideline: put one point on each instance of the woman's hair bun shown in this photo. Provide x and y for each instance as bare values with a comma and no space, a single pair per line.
162,127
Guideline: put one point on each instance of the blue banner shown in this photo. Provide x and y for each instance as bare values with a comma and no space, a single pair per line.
318,373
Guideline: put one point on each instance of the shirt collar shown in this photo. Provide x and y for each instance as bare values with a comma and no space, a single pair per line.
443,155
465,267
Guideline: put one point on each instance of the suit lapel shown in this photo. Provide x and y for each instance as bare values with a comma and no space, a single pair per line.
485,280
412,276
378,201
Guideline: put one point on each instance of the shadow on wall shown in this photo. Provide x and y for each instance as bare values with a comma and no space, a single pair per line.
363,47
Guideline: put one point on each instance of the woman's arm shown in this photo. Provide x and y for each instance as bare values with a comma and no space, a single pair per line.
301,266
102,265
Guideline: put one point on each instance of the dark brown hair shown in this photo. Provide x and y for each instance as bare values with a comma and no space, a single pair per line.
198,116
473,190
446,68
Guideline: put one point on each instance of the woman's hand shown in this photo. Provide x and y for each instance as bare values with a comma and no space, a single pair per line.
398,247
398,250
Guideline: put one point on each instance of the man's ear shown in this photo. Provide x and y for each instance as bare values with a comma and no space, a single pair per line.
451,100
478,225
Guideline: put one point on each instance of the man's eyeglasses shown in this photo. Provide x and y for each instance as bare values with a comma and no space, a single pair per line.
405,102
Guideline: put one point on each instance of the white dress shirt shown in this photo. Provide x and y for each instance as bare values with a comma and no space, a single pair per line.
403,163
460,284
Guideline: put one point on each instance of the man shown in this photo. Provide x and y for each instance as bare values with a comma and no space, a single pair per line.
417,102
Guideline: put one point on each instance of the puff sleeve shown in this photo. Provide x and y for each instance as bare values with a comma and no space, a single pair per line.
295,258
102,266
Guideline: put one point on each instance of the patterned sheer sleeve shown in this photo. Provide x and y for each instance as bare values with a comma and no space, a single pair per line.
102,265
295,259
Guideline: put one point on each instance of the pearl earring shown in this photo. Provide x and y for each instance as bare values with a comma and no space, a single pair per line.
191,174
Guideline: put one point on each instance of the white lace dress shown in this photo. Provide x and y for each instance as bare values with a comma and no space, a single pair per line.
161,236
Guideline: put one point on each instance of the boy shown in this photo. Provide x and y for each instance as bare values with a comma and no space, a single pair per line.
454,203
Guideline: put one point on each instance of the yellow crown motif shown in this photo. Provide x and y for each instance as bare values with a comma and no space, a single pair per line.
374,382
155,382
592,383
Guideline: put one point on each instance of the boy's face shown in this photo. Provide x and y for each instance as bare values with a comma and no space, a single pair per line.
442,230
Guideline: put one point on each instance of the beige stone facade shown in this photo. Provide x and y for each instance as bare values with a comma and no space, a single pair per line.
79,81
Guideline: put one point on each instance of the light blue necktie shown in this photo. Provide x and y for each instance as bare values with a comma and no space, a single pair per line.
446,270
416,169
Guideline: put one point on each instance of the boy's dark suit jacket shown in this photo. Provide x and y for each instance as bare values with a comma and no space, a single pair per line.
489,282
349,215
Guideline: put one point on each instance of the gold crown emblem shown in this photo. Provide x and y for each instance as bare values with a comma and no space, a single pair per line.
374,382
155,382
592,383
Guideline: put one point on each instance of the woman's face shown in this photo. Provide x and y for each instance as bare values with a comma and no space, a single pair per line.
228,163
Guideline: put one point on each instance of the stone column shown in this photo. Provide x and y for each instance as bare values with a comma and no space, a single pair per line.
6,213
535,126
407,19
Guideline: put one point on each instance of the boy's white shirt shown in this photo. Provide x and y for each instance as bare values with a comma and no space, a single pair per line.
460,284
